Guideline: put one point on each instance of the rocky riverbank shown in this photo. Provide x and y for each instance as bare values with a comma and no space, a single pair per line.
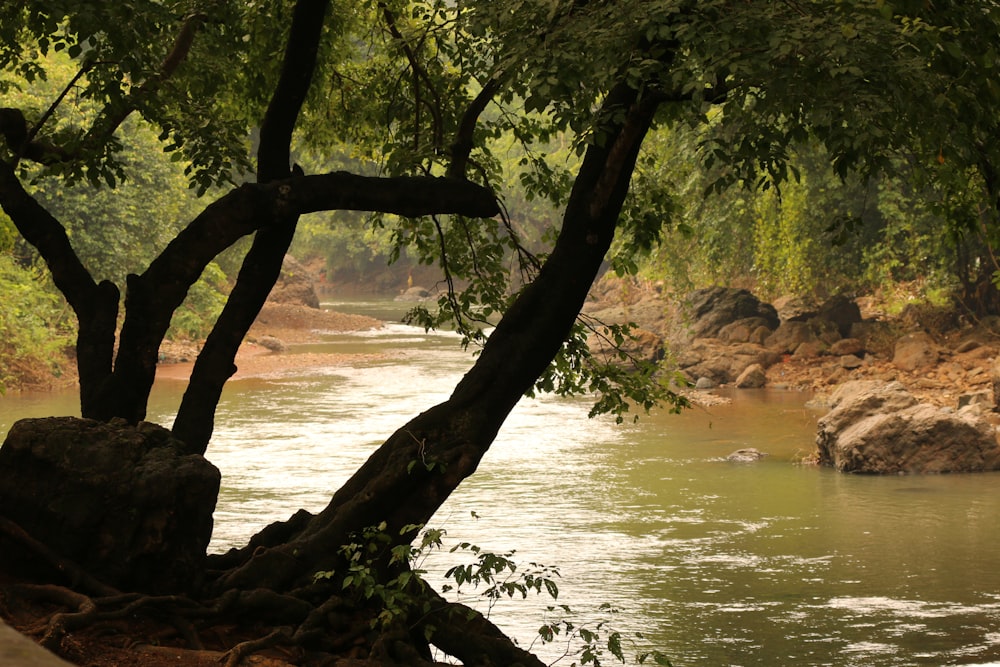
726,336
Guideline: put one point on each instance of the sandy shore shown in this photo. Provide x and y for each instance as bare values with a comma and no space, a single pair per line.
285,323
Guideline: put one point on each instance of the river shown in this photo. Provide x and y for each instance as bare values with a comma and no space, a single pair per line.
715,563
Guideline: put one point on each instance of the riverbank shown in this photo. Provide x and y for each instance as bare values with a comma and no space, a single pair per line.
262,353
726,336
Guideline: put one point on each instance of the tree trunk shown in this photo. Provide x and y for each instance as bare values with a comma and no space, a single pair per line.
408,478
95,305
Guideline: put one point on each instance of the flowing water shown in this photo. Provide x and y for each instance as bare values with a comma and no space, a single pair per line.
716,563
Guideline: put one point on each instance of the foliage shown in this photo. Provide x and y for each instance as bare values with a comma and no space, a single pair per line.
32,331
493,576
205,300
399,596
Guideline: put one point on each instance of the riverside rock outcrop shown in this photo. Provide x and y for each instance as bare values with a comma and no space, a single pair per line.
712,336
295,285
129,505
881,428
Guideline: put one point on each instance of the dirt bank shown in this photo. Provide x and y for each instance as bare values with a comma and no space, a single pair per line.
260,354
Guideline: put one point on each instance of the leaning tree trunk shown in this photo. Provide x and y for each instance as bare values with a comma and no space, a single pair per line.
262,264
409,477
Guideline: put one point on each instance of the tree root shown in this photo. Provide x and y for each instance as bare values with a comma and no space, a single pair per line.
315,623
77,577
464,633
243,649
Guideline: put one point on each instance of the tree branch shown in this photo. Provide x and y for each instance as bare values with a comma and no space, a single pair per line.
112,118
419,72
273,153
95,305
23,150
462,147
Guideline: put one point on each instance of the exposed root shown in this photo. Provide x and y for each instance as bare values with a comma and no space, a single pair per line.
316,625
76,577
243,649
464,633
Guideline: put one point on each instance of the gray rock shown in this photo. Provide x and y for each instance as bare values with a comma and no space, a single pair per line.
982,398
850,362
741,331
271,343
643,344
295,285
724,363
789,335
753,377
842,311
796,308
809,349
705,383
16,650
914,351
415,294
747,455
967,345
880,428
713,308
846,346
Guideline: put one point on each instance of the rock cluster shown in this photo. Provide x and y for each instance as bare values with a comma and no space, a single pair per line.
723,335
932,402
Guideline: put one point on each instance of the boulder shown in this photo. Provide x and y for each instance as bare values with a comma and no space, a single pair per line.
707,357
809,349
752,377
881,428
744,331
271,343
746,455
796,308
125,502
846,346
705,383
789,335
642,344
713,308
842,311
850,361
295,285
649,312
915,351
415,293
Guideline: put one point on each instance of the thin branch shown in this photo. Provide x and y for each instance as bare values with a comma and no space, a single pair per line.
418,70
462,147
109,122
33,132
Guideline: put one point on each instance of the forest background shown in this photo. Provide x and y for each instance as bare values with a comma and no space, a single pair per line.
921,230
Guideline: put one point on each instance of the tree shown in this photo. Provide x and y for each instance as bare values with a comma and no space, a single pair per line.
411,82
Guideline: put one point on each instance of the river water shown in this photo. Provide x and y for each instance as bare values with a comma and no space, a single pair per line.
715,563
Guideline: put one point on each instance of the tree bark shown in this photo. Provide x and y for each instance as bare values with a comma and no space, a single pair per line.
408,478
95,304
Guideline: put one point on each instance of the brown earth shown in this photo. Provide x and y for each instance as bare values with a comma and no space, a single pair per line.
282,323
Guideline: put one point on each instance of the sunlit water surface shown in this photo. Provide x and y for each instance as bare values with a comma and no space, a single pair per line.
716,563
